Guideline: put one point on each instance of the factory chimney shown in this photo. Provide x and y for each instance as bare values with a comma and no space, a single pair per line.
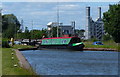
99,12
87,33
88,11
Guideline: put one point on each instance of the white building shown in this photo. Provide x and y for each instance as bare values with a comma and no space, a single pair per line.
94,29
63,29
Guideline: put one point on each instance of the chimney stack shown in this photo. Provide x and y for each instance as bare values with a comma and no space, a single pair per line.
73,25
99,12
88,11
87,33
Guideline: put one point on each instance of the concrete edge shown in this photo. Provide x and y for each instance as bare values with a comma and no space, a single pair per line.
22,60
100,49
23,49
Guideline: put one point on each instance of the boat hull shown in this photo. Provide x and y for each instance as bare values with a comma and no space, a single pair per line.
78,48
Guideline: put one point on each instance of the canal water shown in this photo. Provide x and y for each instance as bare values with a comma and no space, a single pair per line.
65,62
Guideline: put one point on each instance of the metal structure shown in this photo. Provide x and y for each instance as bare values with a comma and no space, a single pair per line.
63,29
22,26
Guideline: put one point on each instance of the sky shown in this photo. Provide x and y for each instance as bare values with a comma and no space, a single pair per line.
41,13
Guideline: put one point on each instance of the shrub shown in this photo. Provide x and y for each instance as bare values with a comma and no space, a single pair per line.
93,39
107,37
119,47
5,43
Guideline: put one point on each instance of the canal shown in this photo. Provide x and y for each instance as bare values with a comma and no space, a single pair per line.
64,62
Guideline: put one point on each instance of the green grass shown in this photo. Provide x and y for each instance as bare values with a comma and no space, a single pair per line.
7,62
107,44
0,61
0,55
21,46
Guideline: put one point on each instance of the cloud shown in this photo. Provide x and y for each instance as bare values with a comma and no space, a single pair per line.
43,13
67,7
60,0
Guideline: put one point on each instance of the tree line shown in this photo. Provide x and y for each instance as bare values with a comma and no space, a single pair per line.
11,29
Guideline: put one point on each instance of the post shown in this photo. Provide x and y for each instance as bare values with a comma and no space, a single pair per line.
0,22
32,30
15,31
57,19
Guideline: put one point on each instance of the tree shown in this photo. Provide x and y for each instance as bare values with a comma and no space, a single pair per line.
37,34
25,35
33,34
10,25
107,37
111,21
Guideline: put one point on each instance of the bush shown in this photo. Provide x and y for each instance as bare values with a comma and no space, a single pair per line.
93,39
119,47
107,37
5,43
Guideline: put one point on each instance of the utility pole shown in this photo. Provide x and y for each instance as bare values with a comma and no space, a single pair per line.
22,27
57,19
0,21
32,29
15,36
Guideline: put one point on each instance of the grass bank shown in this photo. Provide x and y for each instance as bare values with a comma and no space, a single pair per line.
107,44
8,64
0,54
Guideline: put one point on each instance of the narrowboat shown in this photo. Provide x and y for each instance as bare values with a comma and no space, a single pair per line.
73,43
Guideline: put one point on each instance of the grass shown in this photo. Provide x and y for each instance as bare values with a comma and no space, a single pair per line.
107,44
0,61
0,55
8,64
21,46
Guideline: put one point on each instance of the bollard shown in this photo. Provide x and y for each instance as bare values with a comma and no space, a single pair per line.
12,50
12,58
15,65
12,53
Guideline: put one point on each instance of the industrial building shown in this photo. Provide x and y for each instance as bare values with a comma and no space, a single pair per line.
94,29
63,29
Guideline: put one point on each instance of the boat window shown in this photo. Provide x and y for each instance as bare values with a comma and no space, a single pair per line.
75,40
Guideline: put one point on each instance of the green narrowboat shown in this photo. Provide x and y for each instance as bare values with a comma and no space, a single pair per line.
73,43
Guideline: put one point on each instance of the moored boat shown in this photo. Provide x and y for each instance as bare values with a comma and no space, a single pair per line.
73,43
